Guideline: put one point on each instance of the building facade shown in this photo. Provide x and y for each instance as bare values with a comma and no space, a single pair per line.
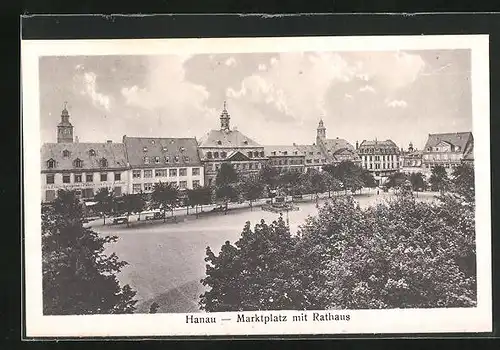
447,150
411,160
381,158
226,145
284,157
314,158
170,160
83,167
335,150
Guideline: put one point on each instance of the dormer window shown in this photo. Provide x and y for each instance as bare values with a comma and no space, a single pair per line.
273,153
285,153
78,163
103,163
152,142
145,149
262,154
146,160
66,153
186,159
157,160
164,149
295,152
51,164
176,159
223,154
219,142
209,155
92,153
167,159
216,154
182,149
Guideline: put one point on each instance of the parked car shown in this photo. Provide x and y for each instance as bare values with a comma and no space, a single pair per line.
219,208
157,215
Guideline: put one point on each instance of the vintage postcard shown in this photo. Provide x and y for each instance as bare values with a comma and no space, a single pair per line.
257,186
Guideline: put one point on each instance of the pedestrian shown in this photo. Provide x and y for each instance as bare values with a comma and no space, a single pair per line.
378,192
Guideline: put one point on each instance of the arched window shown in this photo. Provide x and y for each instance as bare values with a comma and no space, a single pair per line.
256,154
51,163
223,154
91,153
66,153
262,153
103,163
216,154
77,163
250,154
209,155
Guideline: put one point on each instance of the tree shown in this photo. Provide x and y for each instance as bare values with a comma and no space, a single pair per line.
253,274
199,196
463,181
401,254
331,182
166,196
316,182
105,202
269,176
395,179
132,203
348,173
439,179
78,277
417,181
226,183
292,182
368,179
251,189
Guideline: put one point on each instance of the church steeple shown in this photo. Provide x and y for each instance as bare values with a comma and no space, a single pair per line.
224,119
64,128
320,132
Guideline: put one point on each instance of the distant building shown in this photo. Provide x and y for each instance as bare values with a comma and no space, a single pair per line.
411,160
285,158
448,150
83,167
335,150
229,146
170,160
314,158
381,158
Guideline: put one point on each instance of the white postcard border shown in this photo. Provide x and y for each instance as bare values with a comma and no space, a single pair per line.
478,319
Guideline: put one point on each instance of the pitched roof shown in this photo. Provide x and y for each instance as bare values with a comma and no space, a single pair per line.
139,147
229,138
378,144
307,149
114,153
460,139
281,149
337,144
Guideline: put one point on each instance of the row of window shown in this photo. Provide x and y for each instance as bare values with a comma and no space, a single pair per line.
149,187
317,161
237,166
443,149
284,153
443,156
381,166
50,195
67,154
378,150
223,154
148,173
166,159
286,161
378,158
164,148
77,163
78,178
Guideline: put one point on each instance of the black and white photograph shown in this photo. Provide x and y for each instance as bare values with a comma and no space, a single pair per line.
317,185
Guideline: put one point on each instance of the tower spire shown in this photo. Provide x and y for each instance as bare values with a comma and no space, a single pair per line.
224,118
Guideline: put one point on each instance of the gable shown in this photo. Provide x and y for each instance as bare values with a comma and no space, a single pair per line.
238,157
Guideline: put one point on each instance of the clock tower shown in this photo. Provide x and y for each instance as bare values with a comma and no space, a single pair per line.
64,128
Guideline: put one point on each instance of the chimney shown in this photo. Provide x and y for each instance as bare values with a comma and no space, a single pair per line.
357,145
109,141
76,139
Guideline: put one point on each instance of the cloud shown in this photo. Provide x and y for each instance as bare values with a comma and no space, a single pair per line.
396,103
367,88
167,93
230,62
87,83
294,84
348,96
392,70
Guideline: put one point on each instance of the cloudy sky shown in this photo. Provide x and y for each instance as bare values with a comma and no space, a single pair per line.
272,98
